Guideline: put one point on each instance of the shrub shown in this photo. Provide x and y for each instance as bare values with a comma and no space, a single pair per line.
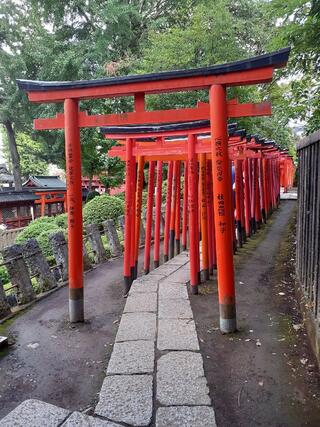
34,229
43,219
121,196
101,208
61,220
40,230
44,243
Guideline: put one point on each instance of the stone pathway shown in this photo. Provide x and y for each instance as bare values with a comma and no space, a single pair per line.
155,374
291,194
156,369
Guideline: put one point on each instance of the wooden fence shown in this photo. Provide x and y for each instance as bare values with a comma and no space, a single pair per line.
308,230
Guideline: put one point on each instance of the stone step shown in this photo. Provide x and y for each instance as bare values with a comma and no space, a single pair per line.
35,413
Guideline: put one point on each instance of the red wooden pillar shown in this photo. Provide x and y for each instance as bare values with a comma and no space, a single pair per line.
204,216
257,212
222,208
176,165
177,208
247,197
244,237
43,205
193,214
138,210
253,196
262,190
265,188
74,197
128,245
133,221
238,182
156,256
168,212
147,246
233,203
210,216
185,208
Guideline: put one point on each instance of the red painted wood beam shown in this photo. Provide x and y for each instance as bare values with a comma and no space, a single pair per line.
239,78
201,112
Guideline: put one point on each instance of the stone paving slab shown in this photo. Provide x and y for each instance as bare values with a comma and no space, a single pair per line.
138,302
177,334
146,284
36,414
186,416
80,420
127,399
132,357
173,290
137,326
181,259
180,276
165,269
174,309
181,380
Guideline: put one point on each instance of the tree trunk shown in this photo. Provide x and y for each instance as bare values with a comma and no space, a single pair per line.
90,183
15,158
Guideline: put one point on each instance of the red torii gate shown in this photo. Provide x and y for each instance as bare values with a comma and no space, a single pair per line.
216,79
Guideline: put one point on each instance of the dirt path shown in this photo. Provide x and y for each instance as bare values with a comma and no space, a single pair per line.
264,375
54,361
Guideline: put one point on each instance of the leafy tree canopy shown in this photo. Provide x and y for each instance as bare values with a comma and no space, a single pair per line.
79,39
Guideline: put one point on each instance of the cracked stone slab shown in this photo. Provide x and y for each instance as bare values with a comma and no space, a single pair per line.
172,290
174,309
165,269
177,416
36,414
137,326
181,380
132,357
180,259
126,399
179,276
80,420
146,284
137,303
177,334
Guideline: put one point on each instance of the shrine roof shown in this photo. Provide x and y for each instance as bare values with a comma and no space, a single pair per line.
274,59
164,127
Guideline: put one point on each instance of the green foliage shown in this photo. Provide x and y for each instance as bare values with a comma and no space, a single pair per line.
4,276
32,155
102,208
34,229
300,28
44,242
40,230
61,220
121,196
219,31
85,40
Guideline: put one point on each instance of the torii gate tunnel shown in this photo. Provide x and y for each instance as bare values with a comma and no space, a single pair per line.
256,163
215,79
